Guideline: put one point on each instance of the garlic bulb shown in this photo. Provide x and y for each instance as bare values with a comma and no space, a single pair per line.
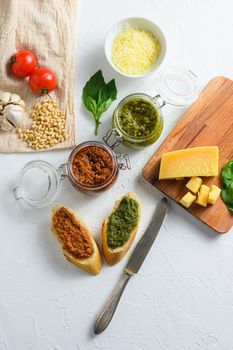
12,110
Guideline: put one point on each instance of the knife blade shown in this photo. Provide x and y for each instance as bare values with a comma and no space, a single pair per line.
135,262
143,246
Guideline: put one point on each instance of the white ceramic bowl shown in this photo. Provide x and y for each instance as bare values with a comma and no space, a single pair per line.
140,23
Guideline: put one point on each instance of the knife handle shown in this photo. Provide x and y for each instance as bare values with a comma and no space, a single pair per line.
109,309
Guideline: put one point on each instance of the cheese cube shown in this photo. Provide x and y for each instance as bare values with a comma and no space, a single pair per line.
187,199
196,161
203,194
194,184
214,194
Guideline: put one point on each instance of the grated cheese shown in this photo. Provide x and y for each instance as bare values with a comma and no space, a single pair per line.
135,51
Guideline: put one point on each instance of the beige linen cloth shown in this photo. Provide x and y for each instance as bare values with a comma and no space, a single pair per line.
47,28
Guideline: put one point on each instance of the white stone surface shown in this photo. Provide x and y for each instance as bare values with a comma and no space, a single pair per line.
182,299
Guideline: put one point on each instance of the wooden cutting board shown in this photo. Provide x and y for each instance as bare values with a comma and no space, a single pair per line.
208,122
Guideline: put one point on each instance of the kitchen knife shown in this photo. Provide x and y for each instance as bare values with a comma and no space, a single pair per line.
135,262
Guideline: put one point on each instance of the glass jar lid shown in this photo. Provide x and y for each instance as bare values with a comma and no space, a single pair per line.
38,184
178,86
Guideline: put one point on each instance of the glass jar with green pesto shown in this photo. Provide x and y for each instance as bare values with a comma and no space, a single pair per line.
138,119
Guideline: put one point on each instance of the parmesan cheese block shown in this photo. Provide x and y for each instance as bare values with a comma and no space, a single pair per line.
214,194
197,161
194,184
187,199
203,194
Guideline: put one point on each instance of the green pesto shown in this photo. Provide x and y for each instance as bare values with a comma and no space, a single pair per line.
122,222
138,118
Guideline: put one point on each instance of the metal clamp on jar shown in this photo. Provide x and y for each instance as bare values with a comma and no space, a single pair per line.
138,119
92,167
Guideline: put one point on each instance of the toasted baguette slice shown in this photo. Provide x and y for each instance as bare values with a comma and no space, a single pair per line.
93,264
113,256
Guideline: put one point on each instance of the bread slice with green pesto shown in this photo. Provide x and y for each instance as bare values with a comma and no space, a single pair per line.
120,227
77,243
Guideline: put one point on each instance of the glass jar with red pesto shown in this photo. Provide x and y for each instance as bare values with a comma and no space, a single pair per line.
92,167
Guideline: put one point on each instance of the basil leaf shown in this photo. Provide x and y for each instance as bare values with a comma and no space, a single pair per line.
93,86
107,92
91,105
227,187
227,196
227,173
98,96
104,106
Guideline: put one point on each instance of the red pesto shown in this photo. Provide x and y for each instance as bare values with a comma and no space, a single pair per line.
74,237
92,166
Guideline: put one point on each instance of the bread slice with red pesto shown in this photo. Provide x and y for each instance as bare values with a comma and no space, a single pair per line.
114,255
91,264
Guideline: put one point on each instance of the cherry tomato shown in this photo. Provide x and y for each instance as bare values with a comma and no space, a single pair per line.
23,64
42,80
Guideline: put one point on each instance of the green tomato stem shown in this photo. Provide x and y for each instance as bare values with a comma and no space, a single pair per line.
44,91
12,59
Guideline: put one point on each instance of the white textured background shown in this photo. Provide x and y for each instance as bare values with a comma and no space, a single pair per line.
182,299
